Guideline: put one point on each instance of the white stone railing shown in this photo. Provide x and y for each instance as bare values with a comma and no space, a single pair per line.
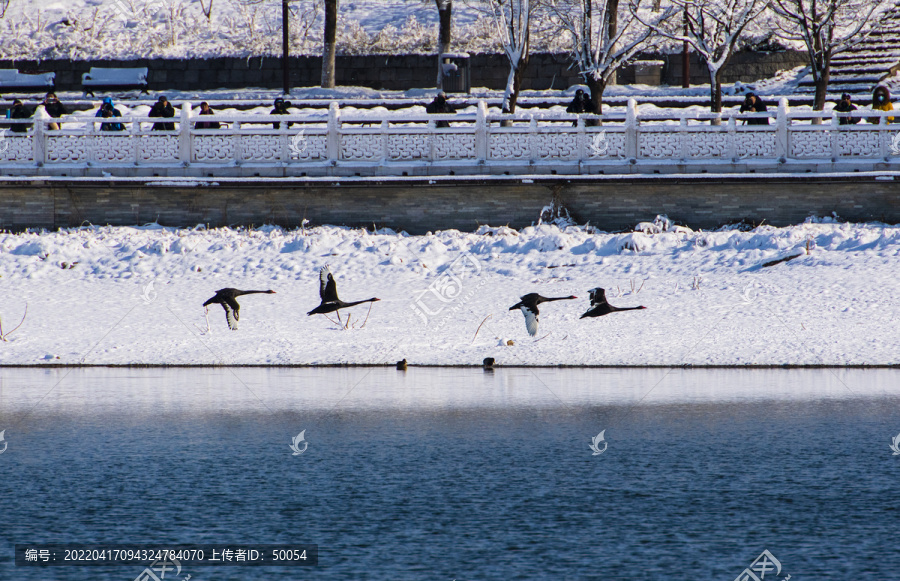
339,143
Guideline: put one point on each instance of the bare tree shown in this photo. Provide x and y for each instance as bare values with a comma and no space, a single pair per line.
828,27
714,28
329,48
513,21
4,4
605,36
445,11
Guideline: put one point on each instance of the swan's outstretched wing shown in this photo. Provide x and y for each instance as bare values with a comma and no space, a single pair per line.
531,320
327,286
231,314
598,296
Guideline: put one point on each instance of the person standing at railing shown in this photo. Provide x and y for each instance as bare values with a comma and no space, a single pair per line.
19,111
54,109
753,104
108,111
205,109
162,108
281,108
845,106
440,106
582,104
881,101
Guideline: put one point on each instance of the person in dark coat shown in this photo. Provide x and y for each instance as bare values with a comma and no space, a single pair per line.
845,106
108,111
19,111
582,104
205,109
162,108
54,109
753,104
438,107
281,108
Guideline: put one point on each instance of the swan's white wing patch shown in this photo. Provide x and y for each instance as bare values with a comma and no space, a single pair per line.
229,316
531,320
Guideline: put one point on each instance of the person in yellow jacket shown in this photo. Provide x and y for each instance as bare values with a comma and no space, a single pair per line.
881,101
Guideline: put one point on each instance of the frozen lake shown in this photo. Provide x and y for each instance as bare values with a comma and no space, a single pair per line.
459,473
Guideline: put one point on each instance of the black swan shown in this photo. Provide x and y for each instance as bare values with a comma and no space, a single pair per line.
529,306
226,297
600,307
328,292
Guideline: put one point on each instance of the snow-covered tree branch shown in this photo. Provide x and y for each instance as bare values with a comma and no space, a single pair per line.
828,27
714,28
512,19
605,35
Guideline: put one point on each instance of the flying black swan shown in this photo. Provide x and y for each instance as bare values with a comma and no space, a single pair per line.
330,301
227,298
529,306
600,307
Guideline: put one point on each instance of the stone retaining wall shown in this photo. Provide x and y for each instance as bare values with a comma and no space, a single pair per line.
388,72
418,206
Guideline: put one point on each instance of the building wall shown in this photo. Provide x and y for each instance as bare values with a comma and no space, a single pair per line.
389,72
432,204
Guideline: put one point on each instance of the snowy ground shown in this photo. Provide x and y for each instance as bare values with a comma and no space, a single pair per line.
134,295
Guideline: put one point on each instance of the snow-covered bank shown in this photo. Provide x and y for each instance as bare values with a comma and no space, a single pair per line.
133,295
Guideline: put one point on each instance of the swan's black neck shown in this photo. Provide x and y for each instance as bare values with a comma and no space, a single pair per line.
345,305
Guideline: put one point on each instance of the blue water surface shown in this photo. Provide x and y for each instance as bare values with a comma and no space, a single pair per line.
460,474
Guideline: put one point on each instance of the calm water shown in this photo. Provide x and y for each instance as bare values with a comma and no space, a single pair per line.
458,473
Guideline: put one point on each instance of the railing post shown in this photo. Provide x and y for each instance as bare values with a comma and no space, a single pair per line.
386,140
782,143
481,131
682,137
185,143
835,137
333,138
238,143
581,140
133,135
732,138
631,130
532,140
38,137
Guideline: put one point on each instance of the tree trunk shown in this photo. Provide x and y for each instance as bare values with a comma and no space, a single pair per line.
822,87
445,11
715,89
285,47
612,10
513,85
596,86
517,85
329,48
